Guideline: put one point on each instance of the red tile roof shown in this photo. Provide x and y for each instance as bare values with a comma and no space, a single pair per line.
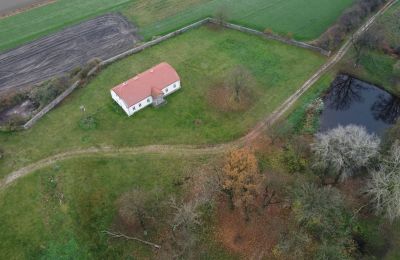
146,83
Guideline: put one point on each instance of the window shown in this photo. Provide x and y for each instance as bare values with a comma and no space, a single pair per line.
133,108
174,85
166,90
148,100
140,105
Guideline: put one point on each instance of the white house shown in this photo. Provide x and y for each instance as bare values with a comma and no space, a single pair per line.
149,87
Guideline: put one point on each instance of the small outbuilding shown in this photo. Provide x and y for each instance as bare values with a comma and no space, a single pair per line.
147,88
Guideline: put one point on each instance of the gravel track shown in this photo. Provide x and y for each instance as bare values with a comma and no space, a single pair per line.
102,37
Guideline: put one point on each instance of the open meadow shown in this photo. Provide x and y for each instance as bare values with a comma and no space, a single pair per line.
157,17
62,209
205,59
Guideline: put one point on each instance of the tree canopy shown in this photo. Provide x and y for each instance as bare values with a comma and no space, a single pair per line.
344,150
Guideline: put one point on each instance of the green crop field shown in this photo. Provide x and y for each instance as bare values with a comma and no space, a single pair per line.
203,58
305,21
62,209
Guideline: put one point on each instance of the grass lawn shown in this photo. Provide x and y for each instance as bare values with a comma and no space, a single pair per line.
203,58
62,209
293,122
156,17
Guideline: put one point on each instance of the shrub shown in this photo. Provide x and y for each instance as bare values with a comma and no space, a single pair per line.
91,64
88,123
292,160
49,90
14,123
12,99
75,71
268,31
320,228
289,35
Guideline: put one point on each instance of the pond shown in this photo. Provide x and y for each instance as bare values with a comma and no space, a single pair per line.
352,101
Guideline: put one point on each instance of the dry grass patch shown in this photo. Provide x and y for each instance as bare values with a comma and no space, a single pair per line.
235,94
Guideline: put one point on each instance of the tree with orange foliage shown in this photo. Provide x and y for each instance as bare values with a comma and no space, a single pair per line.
242,179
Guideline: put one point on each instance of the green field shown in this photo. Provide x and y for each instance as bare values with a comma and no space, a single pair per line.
62,209
203,58
305,21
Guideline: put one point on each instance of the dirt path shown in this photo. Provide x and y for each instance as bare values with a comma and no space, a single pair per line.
192,149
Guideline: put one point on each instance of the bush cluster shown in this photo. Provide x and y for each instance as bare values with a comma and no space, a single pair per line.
48,91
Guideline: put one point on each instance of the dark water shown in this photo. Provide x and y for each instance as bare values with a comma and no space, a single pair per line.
351,101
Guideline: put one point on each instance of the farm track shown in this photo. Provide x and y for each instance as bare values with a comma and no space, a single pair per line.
102,37
200,150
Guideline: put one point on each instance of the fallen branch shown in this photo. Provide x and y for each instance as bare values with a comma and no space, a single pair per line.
120,235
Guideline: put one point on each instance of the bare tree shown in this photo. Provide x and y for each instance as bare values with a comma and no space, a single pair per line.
132,207
371,39
239,80
186,218
344,150
384,186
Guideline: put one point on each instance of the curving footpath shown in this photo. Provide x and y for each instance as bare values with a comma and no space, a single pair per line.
200,150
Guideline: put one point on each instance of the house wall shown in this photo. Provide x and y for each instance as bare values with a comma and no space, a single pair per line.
171,88
140,105
119,102
145,102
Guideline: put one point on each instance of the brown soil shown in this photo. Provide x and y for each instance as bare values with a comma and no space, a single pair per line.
215,27
254,239
222,99
102,37
25,8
